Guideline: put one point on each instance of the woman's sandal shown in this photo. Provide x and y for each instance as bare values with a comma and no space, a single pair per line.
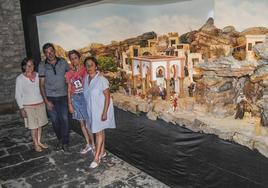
94,164
38,148
103,155
44,146
86,149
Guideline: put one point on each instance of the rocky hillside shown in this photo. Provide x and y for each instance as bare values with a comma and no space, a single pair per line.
213,42
224,79
110,50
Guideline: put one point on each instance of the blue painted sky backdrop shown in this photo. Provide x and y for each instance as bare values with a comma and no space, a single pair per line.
241,14
104,22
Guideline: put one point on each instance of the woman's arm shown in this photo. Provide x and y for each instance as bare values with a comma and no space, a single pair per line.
19,97
70,106
106,93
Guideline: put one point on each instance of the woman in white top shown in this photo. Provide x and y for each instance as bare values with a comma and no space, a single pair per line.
99,106
30,102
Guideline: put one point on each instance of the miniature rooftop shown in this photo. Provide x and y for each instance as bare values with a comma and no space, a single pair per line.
157,58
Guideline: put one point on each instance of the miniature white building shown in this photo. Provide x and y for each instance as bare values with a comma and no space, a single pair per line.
193,60
252,40
159,70
125,64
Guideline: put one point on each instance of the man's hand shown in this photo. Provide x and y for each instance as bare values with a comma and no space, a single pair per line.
49,105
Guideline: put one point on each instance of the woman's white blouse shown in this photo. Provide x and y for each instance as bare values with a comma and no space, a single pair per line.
27,92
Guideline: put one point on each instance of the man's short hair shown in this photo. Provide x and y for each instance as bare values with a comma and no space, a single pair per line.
48,45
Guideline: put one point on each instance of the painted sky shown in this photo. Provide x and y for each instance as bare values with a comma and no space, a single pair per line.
241,14
102,23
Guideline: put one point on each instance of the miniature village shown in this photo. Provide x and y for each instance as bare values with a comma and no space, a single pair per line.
209,80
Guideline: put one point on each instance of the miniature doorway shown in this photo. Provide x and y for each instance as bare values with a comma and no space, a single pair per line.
173,73
160,76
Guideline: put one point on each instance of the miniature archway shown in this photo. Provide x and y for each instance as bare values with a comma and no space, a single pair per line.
173,71
146,54
173,76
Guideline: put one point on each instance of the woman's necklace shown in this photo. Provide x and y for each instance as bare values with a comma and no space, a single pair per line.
31,77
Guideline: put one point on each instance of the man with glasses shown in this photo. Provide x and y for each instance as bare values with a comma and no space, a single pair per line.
54,91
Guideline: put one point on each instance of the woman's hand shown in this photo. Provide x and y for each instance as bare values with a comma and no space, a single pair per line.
71,108
104,117
23,113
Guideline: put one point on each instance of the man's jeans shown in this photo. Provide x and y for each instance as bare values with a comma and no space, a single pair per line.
59,118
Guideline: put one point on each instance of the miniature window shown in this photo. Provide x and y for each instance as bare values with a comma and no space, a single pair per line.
172,42
249,46
136,52
258,42
179,46
173,71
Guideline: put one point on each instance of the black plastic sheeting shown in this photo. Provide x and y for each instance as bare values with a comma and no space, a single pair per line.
182,158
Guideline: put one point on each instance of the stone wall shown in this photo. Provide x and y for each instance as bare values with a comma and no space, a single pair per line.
12,48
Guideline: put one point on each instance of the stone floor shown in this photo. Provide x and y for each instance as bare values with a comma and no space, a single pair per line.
21,167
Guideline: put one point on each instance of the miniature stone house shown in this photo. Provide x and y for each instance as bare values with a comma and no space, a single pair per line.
173,39
166,71
152,42
136,50
252,40
162,41
178,50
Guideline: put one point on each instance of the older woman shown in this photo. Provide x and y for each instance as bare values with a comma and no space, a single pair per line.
99,106
76,100
30,102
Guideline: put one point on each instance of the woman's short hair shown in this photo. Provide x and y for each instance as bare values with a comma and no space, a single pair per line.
91,58
74,52
48,45
24,62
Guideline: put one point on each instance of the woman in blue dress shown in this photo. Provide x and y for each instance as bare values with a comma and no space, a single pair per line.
99,106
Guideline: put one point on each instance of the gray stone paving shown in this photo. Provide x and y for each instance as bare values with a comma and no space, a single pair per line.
21,166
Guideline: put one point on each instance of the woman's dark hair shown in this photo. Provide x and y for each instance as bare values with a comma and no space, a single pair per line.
74,52
48,45
91,58
24,62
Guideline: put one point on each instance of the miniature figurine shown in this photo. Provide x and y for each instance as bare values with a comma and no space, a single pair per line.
162,92
174,102
242,106
191,89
